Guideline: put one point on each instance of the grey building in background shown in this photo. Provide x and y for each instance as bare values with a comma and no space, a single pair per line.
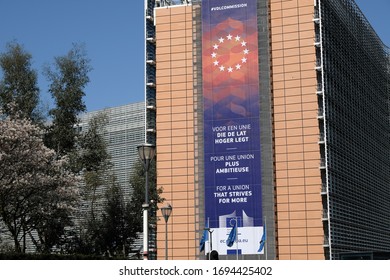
124,131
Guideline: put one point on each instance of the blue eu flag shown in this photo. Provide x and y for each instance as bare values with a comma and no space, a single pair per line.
204,238
262,241
232,236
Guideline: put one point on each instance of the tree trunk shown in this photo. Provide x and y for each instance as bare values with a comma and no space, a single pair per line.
18,249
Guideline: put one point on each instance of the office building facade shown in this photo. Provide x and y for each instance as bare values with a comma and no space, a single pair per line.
273,116
124,130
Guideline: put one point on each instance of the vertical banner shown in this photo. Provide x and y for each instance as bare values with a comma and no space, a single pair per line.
231,124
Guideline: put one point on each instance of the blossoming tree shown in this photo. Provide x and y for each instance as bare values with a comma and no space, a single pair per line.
37,191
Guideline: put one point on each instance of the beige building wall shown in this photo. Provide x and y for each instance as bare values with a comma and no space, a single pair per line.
297,156
175,130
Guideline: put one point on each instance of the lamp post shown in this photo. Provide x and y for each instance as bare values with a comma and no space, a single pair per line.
146,153
166,212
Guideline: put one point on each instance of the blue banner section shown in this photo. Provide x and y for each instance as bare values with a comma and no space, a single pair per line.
231,114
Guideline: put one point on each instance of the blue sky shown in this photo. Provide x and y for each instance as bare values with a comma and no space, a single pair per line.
112,31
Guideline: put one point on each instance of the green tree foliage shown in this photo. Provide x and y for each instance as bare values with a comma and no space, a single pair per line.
93,155
67,82
113,232
92,160
37,192
19,84
119,224
137,181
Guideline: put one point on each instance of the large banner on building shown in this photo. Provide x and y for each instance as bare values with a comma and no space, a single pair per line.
231,124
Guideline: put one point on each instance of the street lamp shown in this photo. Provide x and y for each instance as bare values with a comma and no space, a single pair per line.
146,153
166,212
